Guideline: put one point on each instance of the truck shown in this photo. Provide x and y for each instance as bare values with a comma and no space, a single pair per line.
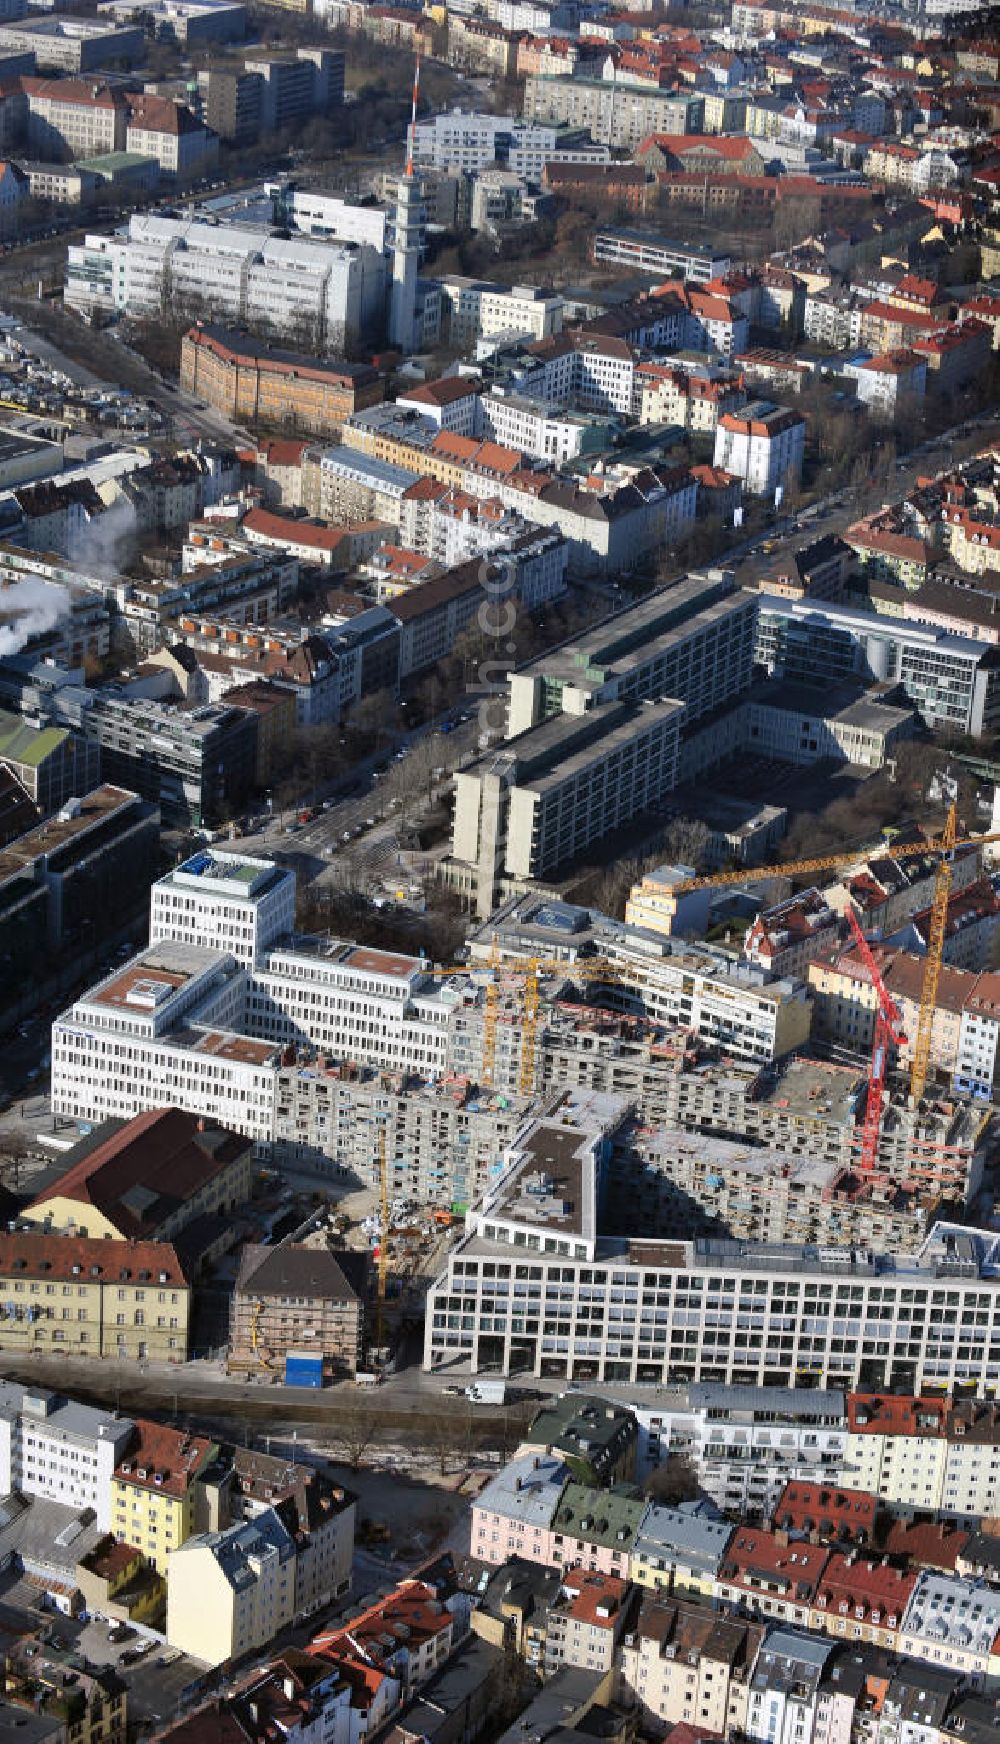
488,1392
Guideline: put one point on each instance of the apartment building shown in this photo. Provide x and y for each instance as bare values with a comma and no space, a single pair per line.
79,1296
442,1136
709,1309
923,1455
58,1701
687,1665
683,1183
889,378
586,1622
320,1515
296,84
965,1030
762,444
512,1514
262,384
680,1550
593,1432
955,1624
614,114
233,101
230,1593
154,1490
785,939
770,1575
785,1697
554,434
58,1449
861,1598
952,681
747,1444
680,394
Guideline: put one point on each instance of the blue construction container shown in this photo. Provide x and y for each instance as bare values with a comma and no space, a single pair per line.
303,1368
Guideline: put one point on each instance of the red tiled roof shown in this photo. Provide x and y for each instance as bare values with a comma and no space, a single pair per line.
64,1257
147,1169
895,1414
161,1458
292,531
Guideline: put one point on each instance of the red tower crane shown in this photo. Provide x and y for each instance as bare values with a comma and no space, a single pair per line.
888,1033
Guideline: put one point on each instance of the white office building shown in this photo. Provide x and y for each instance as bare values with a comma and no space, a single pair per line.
206,1027
533,1288
952,681
224,902
316,294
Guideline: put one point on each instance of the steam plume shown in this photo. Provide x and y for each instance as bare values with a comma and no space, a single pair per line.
29,608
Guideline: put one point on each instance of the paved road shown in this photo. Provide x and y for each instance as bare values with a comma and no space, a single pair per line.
833,514
360,831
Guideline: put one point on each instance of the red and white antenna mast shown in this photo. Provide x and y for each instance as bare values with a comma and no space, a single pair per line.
413,120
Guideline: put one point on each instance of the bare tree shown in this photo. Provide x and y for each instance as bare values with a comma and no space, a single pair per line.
685,841
674,1481
354,1431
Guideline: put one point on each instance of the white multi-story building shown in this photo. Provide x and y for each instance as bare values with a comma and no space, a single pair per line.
205,1028
474,308
161,1031
745,1445
340,220
955,1624
763,445
633,1310
472,142
224,902
534,427
952,681
892,376
327,295
59,1450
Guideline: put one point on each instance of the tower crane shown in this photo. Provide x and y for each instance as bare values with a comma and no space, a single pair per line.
382,1273
529,971
888,1033
944,847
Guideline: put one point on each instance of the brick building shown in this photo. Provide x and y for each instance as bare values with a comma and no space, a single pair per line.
248,380
297,1297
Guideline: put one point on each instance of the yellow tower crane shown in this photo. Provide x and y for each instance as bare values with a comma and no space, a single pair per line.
382,1274
530,970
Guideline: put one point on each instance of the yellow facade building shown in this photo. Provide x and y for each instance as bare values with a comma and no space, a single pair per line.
155,1490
